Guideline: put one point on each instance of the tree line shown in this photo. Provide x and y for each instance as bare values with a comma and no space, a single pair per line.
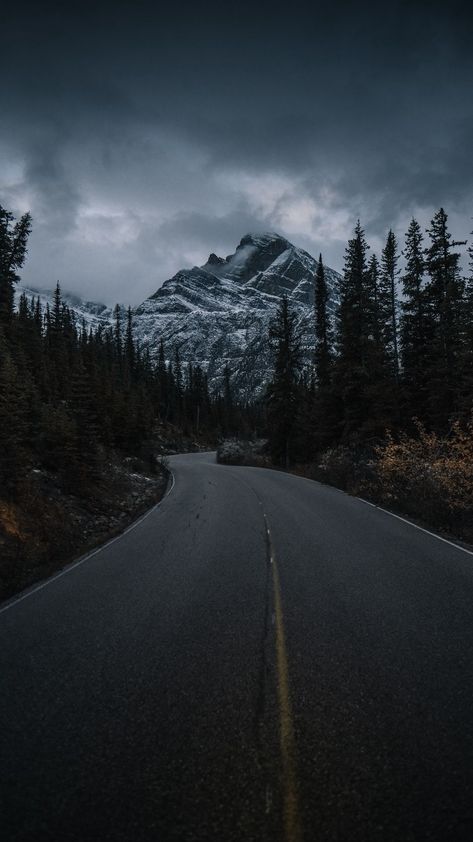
70,395
399,353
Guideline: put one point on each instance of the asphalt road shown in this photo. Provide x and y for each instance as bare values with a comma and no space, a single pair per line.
260,658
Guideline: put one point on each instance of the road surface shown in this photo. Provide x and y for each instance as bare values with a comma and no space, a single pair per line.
260,658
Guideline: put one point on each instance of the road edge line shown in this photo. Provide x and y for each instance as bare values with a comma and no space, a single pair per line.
73,564
367,503
415,525
286,721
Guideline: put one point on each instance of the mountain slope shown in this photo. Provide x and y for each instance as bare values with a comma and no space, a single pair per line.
90,312
218,314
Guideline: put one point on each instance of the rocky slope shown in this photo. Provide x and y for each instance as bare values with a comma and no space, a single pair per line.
219,314
90,312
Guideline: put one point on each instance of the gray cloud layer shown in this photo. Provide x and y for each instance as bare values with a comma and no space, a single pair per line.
142,139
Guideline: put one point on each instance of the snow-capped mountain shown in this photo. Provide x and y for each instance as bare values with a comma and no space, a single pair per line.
90,312
218,314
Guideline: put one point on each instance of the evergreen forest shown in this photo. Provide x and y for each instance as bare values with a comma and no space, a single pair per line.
384,411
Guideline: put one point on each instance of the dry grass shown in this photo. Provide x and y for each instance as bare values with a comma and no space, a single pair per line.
46,527
427,476
431,476
9,520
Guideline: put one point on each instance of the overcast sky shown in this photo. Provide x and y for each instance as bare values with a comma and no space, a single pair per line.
142,139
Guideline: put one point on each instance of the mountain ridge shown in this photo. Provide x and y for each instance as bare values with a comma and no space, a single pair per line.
218,314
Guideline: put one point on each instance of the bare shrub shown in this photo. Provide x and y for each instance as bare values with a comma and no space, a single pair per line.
231,452
430,476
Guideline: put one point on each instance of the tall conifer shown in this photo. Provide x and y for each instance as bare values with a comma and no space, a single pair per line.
283,392
13,248
323,330
388,301
415,324
445,300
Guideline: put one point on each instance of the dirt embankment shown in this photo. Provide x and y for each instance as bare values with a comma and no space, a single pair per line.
45,528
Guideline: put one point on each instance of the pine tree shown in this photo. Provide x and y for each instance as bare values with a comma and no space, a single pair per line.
320,414
363,381
162,383
38,315
13,423
84,414
283,396
178,386
323,330
353,311
469,275
415,326
228,408
13,247
388,301
23,308
381,393
374,311
129,342
57,323
466,391
352,375
117,330
445,299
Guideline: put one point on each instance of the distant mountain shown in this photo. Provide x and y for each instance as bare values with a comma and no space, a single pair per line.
92,313
219,314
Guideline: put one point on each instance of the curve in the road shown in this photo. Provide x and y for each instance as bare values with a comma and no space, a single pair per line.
179,686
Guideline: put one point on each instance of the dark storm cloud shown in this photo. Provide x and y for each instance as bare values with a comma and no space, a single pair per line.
143,138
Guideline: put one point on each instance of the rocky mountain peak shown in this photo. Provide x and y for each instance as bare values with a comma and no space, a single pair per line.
218,314
214,260
268,241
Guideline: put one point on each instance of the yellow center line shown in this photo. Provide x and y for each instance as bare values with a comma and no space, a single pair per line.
293,831
292,823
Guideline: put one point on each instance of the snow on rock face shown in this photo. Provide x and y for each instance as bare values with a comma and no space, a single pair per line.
90,312
219,314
